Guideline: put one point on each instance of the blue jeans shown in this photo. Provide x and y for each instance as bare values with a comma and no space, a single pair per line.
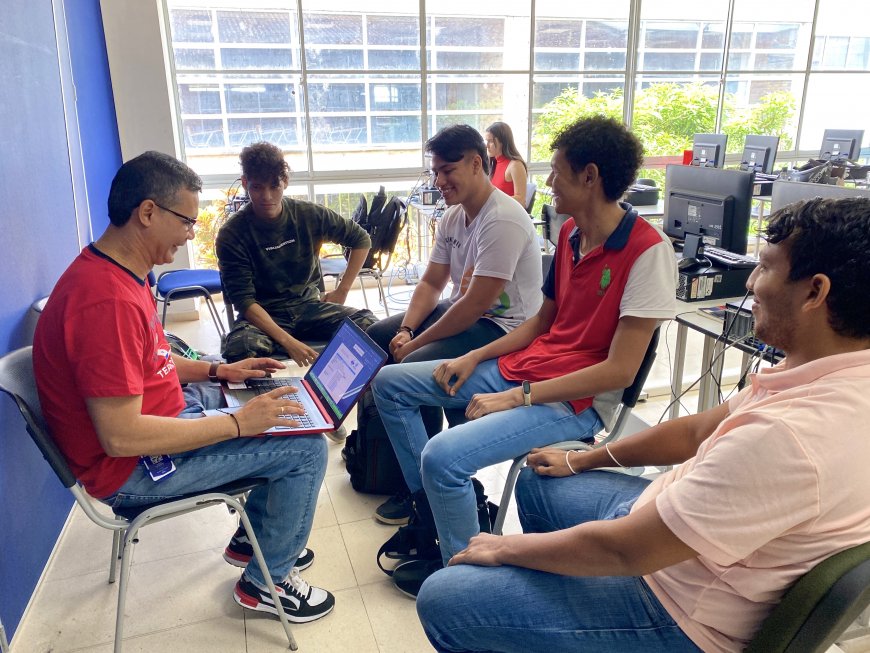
525,610
444,465
281,512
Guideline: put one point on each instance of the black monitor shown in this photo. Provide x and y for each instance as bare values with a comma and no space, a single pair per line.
788,192
759,153
841,144
708,150
709,202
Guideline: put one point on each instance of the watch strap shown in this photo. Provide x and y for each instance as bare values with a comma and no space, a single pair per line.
408,329
212,372
527,394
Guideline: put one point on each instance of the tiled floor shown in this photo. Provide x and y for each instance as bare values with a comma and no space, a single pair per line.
179,595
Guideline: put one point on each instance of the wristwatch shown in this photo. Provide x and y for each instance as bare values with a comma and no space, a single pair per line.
408,329
212,373
527,394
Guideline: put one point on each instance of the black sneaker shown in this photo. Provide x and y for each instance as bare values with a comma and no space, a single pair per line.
239,552
396,510
409,576
302,602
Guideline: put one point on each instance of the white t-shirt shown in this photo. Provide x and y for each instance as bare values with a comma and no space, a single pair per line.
500,242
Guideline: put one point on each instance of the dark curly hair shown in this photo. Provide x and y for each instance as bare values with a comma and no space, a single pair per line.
453,142
265,163
831,237
150,176
609,145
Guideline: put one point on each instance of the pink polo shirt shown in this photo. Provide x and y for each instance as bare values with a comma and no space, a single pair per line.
781,485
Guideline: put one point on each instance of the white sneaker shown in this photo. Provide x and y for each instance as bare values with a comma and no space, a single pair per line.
302,602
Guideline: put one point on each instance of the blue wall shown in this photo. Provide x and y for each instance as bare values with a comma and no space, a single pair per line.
40,237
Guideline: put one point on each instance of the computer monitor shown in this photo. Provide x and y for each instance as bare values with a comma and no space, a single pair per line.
841,144
708,150
788,192
759,153
711,203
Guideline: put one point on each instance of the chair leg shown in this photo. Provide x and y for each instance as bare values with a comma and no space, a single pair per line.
215,316
126,563
507,493
363,288
258,554
383,295
116,553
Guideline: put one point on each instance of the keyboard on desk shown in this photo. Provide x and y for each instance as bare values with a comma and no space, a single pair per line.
263,386
723,257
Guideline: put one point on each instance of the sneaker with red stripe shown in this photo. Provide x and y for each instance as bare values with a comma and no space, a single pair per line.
239,552
302,602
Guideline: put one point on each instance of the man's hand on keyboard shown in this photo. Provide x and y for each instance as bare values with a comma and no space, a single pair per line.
249,368
265,411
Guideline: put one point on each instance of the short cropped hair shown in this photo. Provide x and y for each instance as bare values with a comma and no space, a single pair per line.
609,145
831,237
150,176
454,142
265,163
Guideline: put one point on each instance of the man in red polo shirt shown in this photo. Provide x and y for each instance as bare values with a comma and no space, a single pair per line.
558,375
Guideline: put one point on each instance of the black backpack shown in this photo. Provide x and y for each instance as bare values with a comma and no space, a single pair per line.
371,461
383,221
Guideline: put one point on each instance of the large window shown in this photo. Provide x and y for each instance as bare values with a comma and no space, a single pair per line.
363,94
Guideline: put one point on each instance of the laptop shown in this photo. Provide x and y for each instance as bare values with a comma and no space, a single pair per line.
329,389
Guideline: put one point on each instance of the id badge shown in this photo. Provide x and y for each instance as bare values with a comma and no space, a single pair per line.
159,467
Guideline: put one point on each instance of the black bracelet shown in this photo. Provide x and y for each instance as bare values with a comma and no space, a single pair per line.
408,329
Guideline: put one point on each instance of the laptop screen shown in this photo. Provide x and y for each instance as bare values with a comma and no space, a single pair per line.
345,368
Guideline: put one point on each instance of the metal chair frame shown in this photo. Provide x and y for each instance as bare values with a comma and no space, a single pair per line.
630,397
17,380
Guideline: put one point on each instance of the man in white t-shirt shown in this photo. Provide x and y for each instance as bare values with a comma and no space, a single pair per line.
487,248
770,484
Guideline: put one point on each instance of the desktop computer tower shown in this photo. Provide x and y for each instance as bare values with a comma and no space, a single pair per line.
712,283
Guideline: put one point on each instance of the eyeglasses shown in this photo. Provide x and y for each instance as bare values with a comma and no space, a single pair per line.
190,222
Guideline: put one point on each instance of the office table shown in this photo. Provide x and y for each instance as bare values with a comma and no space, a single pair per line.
711,328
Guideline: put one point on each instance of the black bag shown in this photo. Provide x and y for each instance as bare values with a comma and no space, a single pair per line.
371,461
383,221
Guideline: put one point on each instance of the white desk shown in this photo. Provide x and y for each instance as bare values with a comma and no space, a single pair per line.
710,327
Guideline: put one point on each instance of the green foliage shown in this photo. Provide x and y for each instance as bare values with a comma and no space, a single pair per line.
667,115
208,223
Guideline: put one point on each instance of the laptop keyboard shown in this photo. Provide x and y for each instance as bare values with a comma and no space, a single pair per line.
262,386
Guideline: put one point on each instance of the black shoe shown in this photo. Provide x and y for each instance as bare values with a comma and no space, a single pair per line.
338,436
417,540
239,552
302,602
409,576
396,510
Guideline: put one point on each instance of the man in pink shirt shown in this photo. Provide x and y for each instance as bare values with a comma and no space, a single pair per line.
770,484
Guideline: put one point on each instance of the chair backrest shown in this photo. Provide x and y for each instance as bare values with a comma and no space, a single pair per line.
819,606
531,191
552,222
17,381
631,394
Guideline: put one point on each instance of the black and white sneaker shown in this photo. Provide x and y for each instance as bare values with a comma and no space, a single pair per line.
239,552
302,602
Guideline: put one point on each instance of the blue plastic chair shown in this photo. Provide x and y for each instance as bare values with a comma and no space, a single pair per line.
188,284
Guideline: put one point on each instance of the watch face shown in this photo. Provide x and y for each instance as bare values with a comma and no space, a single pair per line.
527,387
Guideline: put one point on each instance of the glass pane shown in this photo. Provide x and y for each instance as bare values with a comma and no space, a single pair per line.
774,61
762,40
393,30
260,98
322,59
331,29
194,58
262,58
199,98
668,61
604,61
202,134
446,60
448,30
609,34
818,116
683,36
555,33
191,26
667,113
394,60
762,104
842,36
557,61
278,131
255,26
561,100
360,122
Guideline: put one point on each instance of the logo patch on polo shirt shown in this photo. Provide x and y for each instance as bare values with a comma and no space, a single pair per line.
605,280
